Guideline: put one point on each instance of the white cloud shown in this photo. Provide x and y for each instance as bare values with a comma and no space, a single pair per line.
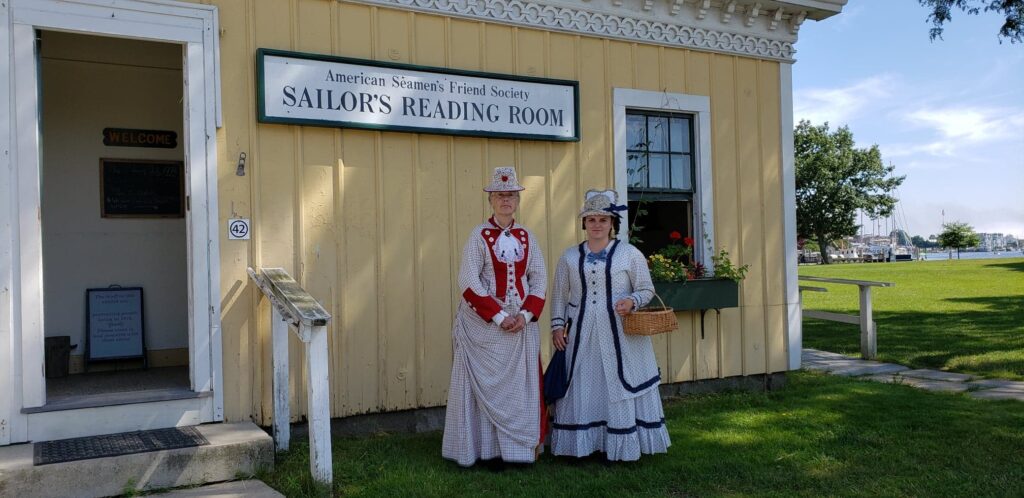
840,105
936,149
971,124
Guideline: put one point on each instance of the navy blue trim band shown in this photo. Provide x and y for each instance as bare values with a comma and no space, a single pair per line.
579,321
615,327
611,430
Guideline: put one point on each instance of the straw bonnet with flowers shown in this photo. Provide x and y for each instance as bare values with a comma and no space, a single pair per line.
611,403
494,408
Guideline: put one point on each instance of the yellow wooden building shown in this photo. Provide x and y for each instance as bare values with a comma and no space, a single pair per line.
368,219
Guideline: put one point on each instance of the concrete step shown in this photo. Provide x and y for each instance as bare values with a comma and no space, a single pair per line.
235,451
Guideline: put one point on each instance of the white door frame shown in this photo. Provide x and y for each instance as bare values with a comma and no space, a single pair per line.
193,26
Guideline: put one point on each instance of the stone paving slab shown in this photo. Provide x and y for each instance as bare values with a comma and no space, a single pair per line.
932,380
932,385
886,378
937,375
814,353
832,366
998,394
1002,384
869,368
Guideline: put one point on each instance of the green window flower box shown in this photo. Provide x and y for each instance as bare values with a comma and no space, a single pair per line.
701,294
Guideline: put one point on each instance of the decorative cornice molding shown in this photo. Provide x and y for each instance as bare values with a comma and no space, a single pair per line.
662,22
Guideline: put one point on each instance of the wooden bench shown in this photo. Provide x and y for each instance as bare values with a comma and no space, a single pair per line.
868,327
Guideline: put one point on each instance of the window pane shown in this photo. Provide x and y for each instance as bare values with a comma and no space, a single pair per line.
636,131
658,165
680,135
682,177
637,169
650,231
658,133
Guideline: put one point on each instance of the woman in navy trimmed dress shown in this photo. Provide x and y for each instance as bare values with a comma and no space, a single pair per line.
612,404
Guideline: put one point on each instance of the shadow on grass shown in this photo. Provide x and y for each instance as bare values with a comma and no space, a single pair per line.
819,436
1016,265
987,341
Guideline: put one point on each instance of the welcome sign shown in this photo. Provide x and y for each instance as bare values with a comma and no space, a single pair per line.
321,90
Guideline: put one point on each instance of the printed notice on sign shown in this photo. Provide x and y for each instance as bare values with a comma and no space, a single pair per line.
341,92
115,323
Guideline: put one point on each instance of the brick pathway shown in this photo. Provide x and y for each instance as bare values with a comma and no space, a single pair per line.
932,380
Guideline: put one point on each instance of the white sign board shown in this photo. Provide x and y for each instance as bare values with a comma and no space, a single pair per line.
115,323
320,90
238,229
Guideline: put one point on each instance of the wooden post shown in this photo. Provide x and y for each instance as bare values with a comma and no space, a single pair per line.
868,342
282,411
318,403
291,305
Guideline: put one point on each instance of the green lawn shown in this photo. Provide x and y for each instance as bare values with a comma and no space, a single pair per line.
819,436
965,316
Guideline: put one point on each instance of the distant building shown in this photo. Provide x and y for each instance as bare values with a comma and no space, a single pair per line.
991,242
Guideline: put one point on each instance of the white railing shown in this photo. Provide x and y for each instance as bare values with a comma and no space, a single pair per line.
290,305
868,327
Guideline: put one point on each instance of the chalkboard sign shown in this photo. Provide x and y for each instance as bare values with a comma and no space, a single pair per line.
114,324
139,188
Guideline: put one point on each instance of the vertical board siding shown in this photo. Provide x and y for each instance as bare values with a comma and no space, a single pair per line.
373,223
238,323
727,194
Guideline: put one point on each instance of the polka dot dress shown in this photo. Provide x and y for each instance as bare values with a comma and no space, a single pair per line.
613,404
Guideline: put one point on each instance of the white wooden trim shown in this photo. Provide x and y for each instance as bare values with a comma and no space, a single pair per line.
21,332
97,421
279,352
318,401
30,238
142,19
7,208
700,107
699,25
791,287
195,158
212,115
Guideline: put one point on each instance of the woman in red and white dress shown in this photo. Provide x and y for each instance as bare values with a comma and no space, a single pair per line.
494,400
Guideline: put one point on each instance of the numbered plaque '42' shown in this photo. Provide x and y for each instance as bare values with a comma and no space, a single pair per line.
238,229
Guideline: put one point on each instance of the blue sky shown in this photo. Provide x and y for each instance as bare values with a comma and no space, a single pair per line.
948,114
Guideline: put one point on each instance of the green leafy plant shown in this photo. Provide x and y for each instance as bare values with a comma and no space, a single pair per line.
725,268
675,263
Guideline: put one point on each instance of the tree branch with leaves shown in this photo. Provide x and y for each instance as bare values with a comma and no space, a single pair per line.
958,235
1011,10
834,179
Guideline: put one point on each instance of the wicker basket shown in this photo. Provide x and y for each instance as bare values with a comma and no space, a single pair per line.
650,320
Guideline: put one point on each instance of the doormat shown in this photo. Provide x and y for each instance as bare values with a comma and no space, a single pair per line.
126,443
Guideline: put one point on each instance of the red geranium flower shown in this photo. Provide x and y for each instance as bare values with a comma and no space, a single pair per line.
675,235
688,241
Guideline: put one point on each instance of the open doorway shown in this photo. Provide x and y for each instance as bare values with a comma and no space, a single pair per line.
113,212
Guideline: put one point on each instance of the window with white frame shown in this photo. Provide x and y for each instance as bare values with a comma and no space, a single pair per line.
660,165
663,167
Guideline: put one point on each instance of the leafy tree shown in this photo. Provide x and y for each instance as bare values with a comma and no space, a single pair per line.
834,180
958,235
922,243
1012,10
